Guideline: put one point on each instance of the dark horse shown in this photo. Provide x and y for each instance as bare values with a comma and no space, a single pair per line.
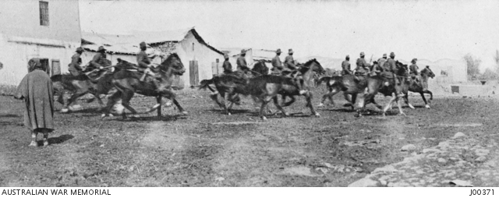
421,87
260,68
267,87
387,85
80,85
127,83
307,75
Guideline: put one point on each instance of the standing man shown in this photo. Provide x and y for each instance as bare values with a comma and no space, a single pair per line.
226,65
277,64
413,70
37,91
75,65
345,66
362,67
289,61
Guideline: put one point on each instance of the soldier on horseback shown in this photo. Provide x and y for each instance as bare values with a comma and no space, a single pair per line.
413,70
226,65
289,62
390,67
377,67
362,66
75,65
277,64
97,64
345,66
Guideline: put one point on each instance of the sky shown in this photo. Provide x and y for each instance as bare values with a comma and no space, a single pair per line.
421,29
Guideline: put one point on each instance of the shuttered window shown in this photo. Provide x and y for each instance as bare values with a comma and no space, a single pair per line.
44,13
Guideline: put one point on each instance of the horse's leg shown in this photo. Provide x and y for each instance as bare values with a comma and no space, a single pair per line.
399,104
265,100
111,101
158,100
226,102
348,99
126,97
393,98
424,100
279,107
308,98
289,102
406,100
354,99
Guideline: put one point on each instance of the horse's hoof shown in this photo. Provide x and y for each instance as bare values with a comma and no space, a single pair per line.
64,110
286,114
264,118
317,115
427,106
33,144
320,104
45,143
228,114
103,115
412,107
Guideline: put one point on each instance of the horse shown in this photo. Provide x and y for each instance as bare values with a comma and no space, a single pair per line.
387,87
307,75
260,68
127,83
80,85
267,87
228,86
421,86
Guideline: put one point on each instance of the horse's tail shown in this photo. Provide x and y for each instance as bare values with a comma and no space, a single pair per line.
206,84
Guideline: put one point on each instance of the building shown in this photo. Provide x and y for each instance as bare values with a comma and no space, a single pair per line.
48,29
199,58
234,53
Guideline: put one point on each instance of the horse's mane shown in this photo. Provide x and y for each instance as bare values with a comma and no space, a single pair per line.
169,59
307,64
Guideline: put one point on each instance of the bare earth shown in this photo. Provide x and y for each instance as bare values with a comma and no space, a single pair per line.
207,148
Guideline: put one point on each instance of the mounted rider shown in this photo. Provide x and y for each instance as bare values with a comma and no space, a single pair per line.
75,65
277,66
345,66
413,70
145,65
389,68
97,64
377,68
362,66
242,66
227,65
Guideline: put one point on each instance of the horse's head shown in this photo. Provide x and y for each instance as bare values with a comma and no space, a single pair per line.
315,66
173,64
401,69
123,64
260,68
428,72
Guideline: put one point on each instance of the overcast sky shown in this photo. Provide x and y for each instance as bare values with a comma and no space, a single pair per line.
424,29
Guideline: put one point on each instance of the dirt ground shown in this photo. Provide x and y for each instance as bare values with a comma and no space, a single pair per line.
208,148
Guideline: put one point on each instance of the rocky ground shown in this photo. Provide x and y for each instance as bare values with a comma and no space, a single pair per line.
452,144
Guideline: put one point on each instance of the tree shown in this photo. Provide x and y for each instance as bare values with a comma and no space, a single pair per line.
472,64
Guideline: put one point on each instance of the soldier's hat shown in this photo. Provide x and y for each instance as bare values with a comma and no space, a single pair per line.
414,60
142,44
278,51
362,54
347,56
226,56
243,51
392,54
101,49
384,55
290,51
79,49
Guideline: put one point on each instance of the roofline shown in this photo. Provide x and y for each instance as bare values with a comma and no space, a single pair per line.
201,40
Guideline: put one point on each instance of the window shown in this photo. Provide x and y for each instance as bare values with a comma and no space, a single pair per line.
192,46
56,67
44,13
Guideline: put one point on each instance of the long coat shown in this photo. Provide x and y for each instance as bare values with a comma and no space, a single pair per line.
37,91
